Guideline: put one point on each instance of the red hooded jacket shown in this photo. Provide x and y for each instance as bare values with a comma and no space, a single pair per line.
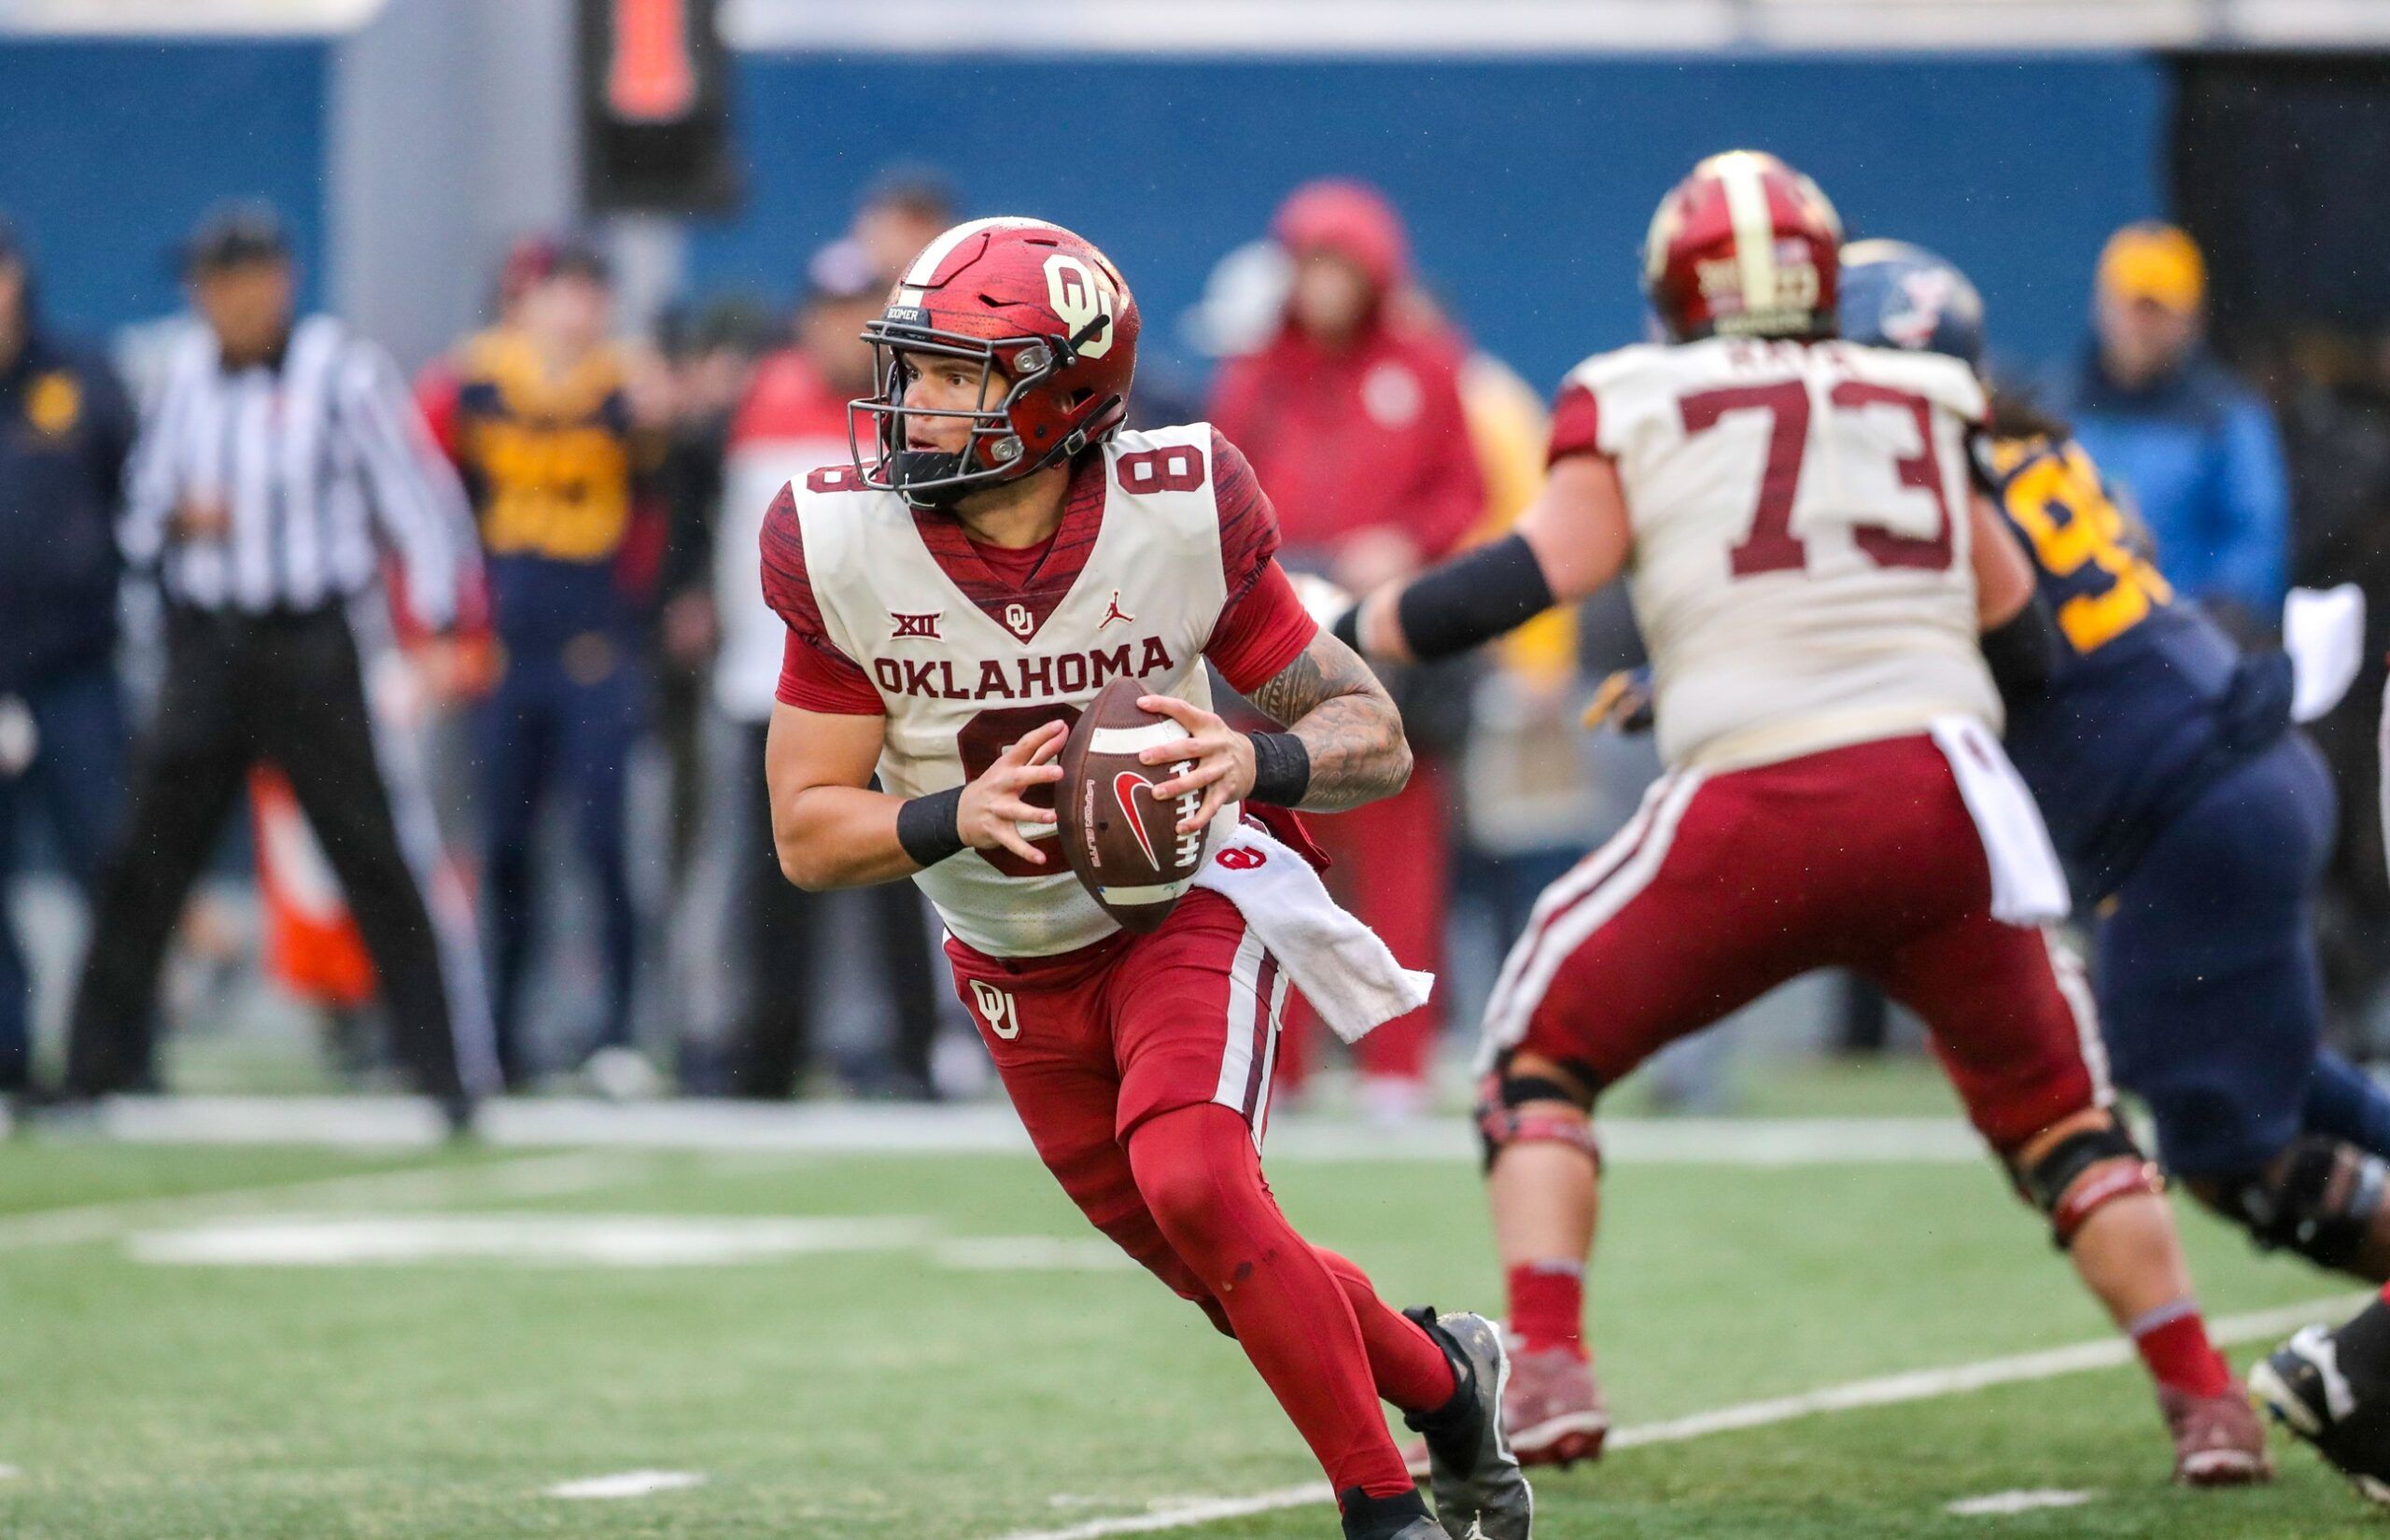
1370,435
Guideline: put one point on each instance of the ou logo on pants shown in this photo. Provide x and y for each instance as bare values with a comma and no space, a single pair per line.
997,1009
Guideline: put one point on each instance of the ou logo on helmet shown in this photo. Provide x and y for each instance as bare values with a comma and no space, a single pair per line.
1079,296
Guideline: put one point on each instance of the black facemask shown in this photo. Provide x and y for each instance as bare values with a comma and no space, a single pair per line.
915,472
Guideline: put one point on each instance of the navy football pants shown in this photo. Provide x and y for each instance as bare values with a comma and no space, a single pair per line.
76,786
2210,989
563,721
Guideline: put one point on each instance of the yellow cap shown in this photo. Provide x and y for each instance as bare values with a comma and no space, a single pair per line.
2154,262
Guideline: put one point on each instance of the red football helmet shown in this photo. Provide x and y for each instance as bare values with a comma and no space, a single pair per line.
1018,295
1746,246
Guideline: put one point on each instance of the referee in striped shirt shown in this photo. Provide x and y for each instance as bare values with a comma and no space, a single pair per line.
279,467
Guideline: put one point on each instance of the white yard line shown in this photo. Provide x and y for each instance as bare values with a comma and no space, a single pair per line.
2000,1504
544,1176
845,1129
627,1484
1892,1390
287,1239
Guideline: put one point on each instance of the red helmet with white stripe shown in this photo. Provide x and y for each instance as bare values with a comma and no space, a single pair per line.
1021,295
1746,246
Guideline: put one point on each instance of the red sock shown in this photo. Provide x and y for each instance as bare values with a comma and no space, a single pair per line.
1548,1306
2173,1343
1409,1367
1200,1178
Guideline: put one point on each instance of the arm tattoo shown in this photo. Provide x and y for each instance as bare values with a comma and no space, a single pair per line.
1328,698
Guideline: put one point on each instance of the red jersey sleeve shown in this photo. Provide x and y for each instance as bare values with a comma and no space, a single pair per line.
1264,625
1576,423
814,675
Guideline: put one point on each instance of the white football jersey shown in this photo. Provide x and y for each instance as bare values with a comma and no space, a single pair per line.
962,675
1802,558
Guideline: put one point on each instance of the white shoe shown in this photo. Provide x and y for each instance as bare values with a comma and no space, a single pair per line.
623,1074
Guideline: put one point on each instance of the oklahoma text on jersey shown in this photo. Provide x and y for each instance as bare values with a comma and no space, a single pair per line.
1035,678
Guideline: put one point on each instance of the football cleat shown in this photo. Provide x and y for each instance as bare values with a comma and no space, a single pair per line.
1480,1493
1402,1516
1552,1411
2302,1385
2218,1441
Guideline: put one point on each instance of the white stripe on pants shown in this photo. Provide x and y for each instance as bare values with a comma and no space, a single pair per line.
1251,1024
1578,904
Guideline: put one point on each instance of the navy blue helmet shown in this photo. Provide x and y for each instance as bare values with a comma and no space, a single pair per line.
1899,295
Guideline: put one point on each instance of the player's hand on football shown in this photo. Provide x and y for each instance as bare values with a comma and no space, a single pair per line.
1223,760
996,805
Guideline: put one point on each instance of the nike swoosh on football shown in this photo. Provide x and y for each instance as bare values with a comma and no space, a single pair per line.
1124,791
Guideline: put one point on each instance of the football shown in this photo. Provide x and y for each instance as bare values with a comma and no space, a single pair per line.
1122,841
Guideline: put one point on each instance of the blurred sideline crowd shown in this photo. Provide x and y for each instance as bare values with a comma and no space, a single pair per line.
596,904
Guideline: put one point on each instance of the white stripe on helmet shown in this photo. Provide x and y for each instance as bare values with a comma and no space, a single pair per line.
1744,176
925,266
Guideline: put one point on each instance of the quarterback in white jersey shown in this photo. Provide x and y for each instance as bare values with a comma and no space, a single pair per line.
953,602
1162,558
1827,602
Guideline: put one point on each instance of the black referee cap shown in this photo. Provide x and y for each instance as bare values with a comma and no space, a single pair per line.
235,234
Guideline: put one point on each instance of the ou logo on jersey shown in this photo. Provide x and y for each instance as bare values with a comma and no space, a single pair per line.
997,1009
1079,295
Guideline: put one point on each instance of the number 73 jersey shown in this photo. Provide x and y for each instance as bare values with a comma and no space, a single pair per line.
1801,567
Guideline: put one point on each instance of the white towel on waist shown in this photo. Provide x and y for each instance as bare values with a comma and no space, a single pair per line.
2028,885
1348,974
2324,633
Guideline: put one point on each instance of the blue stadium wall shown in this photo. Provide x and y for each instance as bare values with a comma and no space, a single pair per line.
1529,184
110,150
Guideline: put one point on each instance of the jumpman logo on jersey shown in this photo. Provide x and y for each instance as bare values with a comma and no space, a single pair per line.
1114,612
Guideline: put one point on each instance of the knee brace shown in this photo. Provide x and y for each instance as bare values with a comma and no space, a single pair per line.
2083,1173
1500,1124
2320,1205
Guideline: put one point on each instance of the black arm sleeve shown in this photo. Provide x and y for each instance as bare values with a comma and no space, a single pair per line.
1474,598
2023,651
926,827
1280,769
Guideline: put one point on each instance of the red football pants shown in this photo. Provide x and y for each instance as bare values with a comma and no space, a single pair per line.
1726,884
1140,1069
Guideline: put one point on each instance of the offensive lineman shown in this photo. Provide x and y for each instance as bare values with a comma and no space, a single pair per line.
952,604
1811,572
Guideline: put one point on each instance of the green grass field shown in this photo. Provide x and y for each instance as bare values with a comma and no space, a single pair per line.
984,1369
